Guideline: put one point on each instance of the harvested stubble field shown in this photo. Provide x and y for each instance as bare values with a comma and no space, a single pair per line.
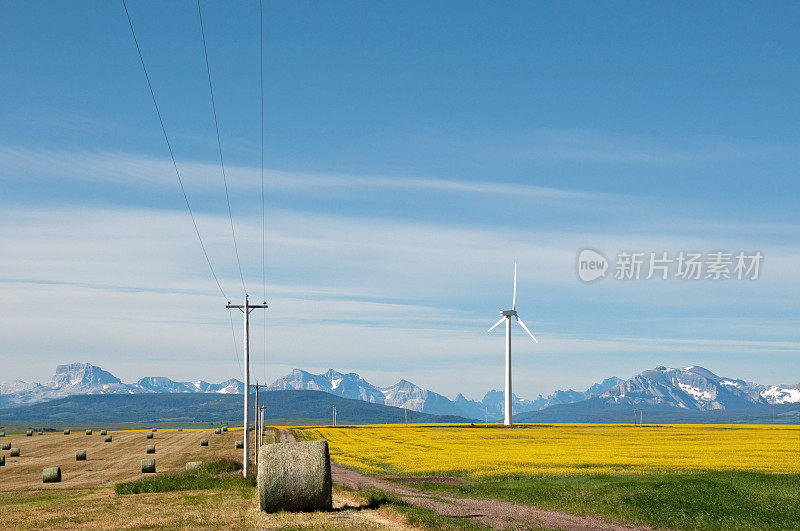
86,498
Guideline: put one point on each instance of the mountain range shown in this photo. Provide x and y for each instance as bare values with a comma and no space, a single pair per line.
690,389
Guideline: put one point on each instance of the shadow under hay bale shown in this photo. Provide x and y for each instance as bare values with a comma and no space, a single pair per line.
14,452
51,475
295,477
203,442
148,466
151,448
150,435
193,465
80,455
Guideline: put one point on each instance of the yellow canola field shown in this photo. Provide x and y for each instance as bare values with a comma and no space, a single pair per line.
561,448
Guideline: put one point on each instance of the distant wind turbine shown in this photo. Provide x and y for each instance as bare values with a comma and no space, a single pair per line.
507,314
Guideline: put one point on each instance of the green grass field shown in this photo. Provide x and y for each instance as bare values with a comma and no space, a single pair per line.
705,500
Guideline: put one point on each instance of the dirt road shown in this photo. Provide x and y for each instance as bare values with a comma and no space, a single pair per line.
494,513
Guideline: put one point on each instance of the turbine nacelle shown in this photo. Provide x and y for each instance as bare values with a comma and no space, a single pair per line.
509,313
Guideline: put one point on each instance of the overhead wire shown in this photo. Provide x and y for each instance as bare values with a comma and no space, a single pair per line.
171,153
178,174
263,209
219,145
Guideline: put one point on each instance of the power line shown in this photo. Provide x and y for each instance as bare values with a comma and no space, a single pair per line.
263,210
219,145
169,148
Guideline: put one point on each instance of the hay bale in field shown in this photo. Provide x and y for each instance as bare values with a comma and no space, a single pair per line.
294,477
150,435
51,475
7,446
108,438
103,432
151,449
29,433
88,432
154,430
217,431
80,455
148,466
225,428
2,460
66,432
2,434
14,452
180,429
193,465
239,444
203,442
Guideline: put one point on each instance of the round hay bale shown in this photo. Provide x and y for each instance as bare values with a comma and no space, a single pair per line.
88,432
103,432
29,433
225,428
154,430
108,438
295,477
7,446
14,452
38,433
180,429
150,435
151,449
193,465
2,460
2,434
203,442
148,466
217,431
80,455
51,475
239,444
66,432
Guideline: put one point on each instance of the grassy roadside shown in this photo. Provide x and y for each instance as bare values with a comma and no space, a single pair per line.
218,475
417,517
699,500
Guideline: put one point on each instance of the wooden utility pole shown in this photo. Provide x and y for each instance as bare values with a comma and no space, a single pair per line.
255,432
260,437
246,308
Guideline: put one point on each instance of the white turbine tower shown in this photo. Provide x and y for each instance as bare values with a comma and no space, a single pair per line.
507,314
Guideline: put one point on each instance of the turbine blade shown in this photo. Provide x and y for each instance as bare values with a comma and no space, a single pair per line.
514,300
497,324
526,329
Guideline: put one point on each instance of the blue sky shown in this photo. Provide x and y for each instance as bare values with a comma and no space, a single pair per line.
413,152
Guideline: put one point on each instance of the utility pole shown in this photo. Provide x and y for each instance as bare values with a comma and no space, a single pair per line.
487,415
255,433
333,414
246,308
405,415
260,438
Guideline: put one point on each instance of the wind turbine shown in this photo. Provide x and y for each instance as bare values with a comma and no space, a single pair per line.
507,314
